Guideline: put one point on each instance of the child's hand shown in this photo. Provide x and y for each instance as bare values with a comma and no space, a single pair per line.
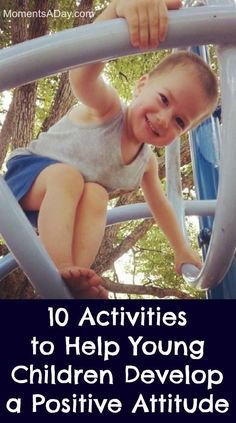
186,255
147,19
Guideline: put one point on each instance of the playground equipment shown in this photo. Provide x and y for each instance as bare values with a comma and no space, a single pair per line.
214,23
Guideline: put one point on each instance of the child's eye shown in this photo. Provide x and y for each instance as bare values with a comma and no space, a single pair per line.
164,99
180,122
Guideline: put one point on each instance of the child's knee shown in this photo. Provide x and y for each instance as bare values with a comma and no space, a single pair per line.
65,177
96,197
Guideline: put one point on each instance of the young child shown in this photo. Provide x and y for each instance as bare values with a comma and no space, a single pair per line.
101,145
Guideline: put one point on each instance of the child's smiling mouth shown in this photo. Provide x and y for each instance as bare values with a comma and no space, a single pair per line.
151,126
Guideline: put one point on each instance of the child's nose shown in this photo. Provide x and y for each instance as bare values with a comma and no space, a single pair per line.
163,119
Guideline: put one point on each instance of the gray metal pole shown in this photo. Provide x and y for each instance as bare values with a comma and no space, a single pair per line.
223,240
220,2
220,252
58,52
142,211
28,250
173,179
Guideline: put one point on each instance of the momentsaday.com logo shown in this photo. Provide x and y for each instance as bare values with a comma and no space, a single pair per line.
56,13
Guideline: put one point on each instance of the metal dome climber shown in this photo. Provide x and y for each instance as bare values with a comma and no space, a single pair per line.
77,46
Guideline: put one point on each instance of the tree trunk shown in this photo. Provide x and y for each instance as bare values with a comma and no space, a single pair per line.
17,128
64,98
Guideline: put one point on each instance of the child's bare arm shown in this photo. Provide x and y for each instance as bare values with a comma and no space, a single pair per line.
165,217
147,21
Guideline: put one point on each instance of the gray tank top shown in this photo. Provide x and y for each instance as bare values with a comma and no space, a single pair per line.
95,150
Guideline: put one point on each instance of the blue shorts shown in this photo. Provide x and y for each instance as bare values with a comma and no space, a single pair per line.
21,174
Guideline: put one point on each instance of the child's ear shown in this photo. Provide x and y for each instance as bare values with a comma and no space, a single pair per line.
140,84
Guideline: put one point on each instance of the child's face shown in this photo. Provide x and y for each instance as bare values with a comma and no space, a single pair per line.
165,106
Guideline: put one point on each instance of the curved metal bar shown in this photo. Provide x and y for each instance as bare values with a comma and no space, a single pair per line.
123,214
34,59
173,179
141,211
7,265
16,229
77,46
174,193
223,241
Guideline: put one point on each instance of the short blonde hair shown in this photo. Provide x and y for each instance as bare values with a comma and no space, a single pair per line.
202,71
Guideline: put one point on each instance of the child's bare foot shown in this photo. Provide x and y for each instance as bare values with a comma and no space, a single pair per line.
83,283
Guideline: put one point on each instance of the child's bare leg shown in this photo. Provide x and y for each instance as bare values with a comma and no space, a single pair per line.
90,224
89,229
56,194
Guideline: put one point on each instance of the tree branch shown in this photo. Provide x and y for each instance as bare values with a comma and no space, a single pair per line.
143,290
112,254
